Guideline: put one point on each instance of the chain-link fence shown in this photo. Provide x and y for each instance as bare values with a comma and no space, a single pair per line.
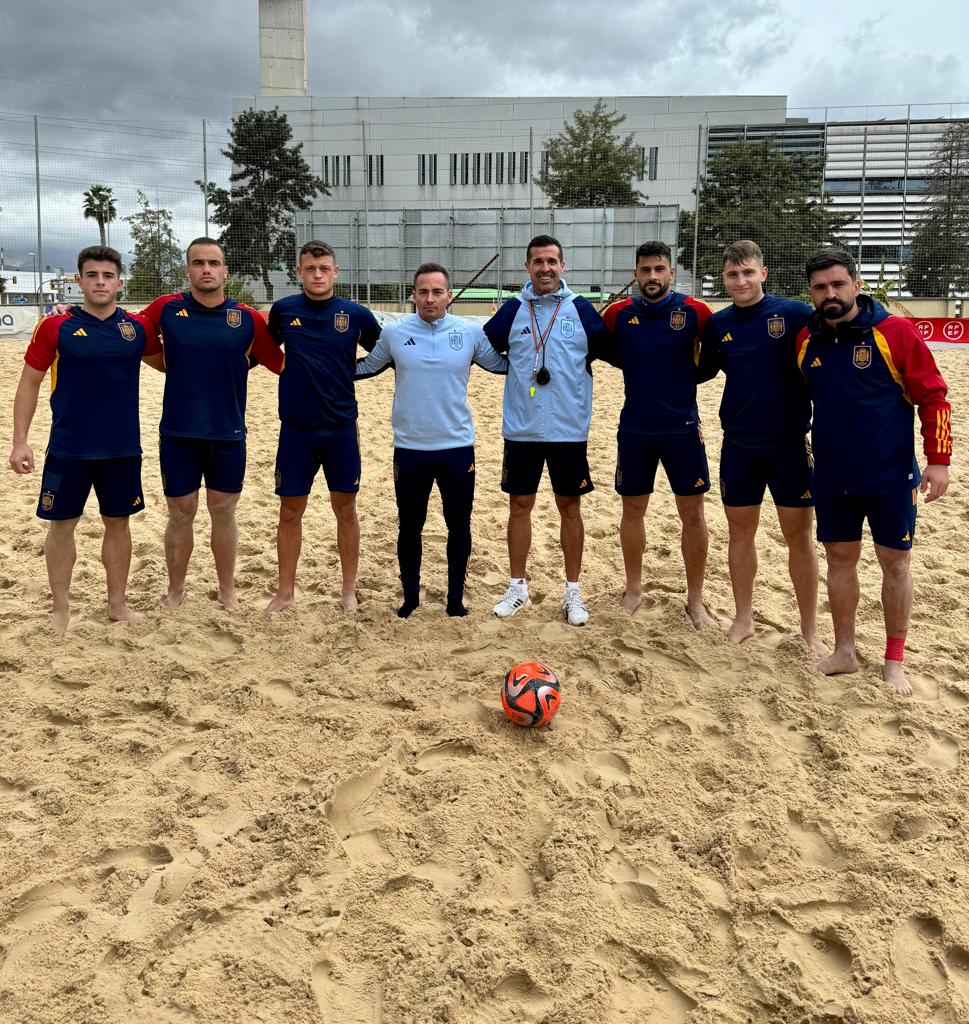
404,185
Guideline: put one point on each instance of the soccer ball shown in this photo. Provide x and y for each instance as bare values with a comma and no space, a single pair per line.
530,694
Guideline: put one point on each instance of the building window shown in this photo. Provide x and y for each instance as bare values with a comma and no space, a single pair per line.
499,168
465,168
523,168
476,169
641,163
544,162
326,170
346,171
422,169
375,169
336,172
454,168
511,168
487,168
653,162
433,169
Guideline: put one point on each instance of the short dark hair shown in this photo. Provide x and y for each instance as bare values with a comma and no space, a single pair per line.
204,240
316,248
98,254
431,268
744,251
831,256
540,242
654,249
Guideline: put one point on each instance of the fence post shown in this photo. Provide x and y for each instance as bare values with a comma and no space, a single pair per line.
531,189
401,260
366,201
696,210
205,176
861,210
40,242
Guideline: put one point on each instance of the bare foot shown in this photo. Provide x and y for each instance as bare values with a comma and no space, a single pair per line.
350,601
817,646
173,599
277,604
841,662
700,616
229,600
59,621
632,599
740,630
124,614
894,675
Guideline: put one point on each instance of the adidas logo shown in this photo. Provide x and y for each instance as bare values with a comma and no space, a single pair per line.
296,322
634,320
907,537
80,333
727,337
471,468
806,496
700,482
410,341
136,502
817,362
585,483
526,330
182,312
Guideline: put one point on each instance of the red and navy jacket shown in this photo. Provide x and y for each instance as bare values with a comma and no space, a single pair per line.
320,338
95,367
657,347
209,351
765,400
865,377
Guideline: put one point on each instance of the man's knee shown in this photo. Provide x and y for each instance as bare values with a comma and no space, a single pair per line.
691,512
895,564
291,511
842,555
183,508
221,504
116,526
61,529
570,508
520,505
344,508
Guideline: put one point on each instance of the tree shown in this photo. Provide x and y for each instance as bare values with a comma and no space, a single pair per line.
752,190
269,183
589,164
158,267
939,256
99,206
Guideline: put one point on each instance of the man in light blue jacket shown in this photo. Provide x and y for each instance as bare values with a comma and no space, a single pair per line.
551,336
432,352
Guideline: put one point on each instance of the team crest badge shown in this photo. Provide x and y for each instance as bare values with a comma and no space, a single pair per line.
457,340
341,322
862,356
775,326
678,319
567,328
233,317
127,330
47,501
279,479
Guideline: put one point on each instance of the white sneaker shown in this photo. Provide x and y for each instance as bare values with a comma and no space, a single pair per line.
514,599
575,611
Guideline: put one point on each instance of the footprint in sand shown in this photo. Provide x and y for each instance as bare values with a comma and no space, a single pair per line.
939,751
515,995
917,955
611,768
280,692
823,960
811,845
347,811
442,753
344,995
636,981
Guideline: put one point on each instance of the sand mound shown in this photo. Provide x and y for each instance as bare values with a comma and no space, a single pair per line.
208,818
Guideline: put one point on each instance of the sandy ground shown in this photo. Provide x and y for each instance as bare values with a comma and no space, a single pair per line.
208,818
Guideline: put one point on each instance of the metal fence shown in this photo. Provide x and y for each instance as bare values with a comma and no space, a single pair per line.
408,190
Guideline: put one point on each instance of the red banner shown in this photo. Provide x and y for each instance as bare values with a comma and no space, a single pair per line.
942,329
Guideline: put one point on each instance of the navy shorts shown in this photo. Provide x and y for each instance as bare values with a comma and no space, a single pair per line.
683,455
185,461
568,467
303,450
787,470
891,517
66,484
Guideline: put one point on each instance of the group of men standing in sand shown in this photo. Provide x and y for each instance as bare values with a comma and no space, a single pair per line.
861,370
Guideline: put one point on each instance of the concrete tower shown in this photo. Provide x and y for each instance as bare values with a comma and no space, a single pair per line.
282,47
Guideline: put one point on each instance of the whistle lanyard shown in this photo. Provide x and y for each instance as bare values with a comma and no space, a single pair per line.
537,336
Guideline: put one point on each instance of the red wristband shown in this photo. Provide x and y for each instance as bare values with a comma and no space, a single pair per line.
895,648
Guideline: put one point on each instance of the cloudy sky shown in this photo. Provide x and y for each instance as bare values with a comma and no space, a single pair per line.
182,60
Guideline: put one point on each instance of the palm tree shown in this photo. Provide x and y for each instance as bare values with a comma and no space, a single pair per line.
99,206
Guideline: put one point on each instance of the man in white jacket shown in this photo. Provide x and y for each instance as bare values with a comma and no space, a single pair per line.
551,335
432,352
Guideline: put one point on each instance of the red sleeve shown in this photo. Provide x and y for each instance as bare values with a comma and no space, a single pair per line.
703,313
152,313
923,384
152,344
800,344
264,350
42,350
609,316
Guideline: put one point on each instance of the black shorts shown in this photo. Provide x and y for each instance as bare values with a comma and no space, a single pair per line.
786,469
683,455
568,467
66,484
303,450
186,461
891,517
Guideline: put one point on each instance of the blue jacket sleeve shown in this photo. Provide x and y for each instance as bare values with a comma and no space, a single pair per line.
601,343
498,328
709,364
377,359
486,356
